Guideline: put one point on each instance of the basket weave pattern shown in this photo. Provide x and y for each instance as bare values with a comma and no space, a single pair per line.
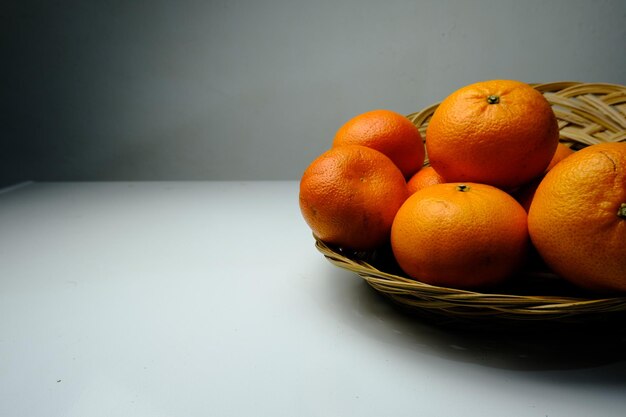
587,114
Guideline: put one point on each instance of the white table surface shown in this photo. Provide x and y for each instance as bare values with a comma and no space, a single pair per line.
209,299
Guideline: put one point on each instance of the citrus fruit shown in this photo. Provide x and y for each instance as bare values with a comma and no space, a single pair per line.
562,152
349,196
577,218
388,132
526,192
423,178
498,132
460,235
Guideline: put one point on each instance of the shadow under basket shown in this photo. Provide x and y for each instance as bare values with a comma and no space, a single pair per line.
535,297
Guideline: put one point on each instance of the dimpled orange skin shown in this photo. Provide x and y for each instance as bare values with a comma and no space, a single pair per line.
388,132
574,219
460,239
349,196
423,178
505,144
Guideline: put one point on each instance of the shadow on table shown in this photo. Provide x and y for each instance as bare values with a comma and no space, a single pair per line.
534,347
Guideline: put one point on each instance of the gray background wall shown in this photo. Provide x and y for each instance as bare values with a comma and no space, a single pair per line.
255,89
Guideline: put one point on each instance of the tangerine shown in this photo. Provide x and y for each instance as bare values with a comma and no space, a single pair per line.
423,178
526,192
577,218
460,235
562,152
349,196
498,132
388,132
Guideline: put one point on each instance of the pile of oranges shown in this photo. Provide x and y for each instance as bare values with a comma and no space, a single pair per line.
498,185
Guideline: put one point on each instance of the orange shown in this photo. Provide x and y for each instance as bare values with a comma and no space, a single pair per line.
562,152
498,132
423,178
388,132
525,193
349,196
577,219
460,235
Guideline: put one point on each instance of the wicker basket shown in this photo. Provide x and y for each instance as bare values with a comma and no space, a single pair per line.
587,114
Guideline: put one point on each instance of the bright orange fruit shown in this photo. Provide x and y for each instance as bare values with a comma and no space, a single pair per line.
562,152
349,196
423,178
498,132
577,218
388,132
460,235
526,192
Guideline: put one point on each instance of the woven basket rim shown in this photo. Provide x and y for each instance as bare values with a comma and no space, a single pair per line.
544,301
